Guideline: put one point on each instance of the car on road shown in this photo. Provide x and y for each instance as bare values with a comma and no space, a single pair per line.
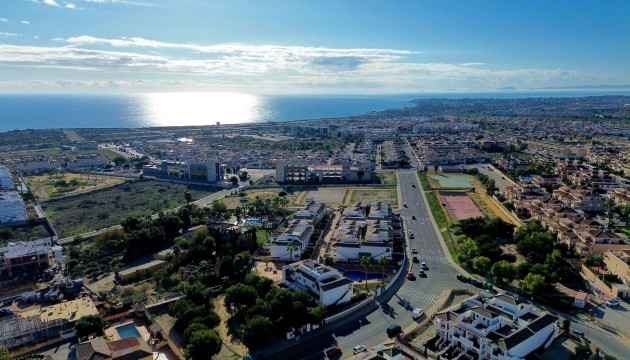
393,330
358,349
421,273
577,332
424,266
413,185
413,217
333,350
415,258
503,177
410,233
417,312
414,251
410,275
405,205
612,302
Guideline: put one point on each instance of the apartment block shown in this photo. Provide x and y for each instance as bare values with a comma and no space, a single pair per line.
324,283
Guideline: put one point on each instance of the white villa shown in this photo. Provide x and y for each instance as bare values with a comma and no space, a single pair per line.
327,285
493,327
299,233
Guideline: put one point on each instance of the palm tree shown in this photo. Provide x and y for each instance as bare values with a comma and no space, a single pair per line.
610,213
188,197
366,261
383,262
176,251
291,246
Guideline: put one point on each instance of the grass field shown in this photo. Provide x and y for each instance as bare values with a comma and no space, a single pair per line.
103,208
451,180
367,195
388,178
50,186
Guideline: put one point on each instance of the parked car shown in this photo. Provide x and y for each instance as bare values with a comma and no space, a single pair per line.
417,312
410,275
357,349
577,332
421,273
413,217
414,251
333,350
424,266
393,330
612,302
415,258
410,233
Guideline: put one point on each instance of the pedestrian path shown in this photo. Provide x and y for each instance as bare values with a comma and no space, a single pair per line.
427,258
417,295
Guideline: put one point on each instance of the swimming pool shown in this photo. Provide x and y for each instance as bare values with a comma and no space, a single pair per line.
127,331
356,275
256,222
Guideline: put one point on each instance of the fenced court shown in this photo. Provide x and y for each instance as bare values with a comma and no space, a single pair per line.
452,181
461,207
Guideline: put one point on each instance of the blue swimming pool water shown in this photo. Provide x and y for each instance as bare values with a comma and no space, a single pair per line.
253,222
356,275
127,331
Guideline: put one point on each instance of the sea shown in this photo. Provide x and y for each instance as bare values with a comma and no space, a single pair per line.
19,112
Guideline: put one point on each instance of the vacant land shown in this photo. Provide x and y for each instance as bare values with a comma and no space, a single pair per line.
388,178
367,195
451,181
53,185
57,152
103,208
23,233
332,196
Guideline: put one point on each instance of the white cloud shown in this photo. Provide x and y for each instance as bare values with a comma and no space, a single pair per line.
125,2
70,6
269,66
50,2
25,22
8,34
3,20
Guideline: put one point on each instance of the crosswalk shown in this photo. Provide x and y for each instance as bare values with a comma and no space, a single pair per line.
427,258
410,293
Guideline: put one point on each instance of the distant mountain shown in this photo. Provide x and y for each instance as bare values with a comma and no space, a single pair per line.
589,87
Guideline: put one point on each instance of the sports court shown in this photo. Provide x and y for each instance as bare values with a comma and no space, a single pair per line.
452,181
461,207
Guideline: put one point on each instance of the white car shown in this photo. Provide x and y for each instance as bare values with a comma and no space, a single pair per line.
417,312
357,349
612,302
414,251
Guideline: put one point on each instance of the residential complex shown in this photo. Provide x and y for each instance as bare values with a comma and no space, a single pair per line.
12,207
189,170
493,327
302,172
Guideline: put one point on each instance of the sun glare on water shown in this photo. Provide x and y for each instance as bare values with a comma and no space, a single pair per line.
179,109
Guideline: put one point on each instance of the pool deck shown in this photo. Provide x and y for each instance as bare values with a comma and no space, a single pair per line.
112,334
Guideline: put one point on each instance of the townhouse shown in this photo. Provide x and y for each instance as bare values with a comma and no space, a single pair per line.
324,283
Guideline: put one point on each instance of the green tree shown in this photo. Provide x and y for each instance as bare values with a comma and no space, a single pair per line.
188,197
534,283
291,247
383,262
468,250
503,271
366,262
481,264
4,353
89,324
239,297
234,180
258,331
582,352
566,325
203,344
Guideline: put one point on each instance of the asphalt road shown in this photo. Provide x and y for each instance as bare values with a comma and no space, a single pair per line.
501,181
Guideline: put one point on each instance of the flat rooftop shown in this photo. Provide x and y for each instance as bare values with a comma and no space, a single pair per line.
70,310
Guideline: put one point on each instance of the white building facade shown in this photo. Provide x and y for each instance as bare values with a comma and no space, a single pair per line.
12,207
6,180
298,233
324,283
493,327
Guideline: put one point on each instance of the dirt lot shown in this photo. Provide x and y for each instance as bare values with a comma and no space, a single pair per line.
332,196
233,201
47,186
367,195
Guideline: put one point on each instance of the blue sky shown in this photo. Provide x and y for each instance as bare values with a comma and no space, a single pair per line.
323,47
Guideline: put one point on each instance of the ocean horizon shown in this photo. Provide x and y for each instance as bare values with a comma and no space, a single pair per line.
21,111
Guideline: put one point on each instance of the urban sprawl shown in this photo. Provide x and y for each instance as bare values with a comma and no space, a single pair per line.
478,229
